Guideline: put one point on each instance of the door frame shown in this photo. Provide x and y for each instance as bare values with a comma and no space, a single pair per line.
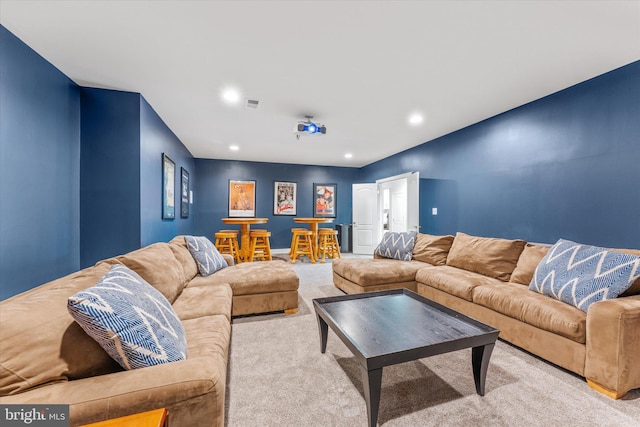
412,197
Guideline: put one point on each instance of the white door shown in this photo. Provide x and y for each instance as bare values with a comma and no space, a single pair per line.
364,204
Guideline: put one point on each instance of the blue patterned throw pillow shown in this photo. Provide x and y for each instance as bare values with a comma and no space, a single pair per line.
206,255
132,321
581,275
397,245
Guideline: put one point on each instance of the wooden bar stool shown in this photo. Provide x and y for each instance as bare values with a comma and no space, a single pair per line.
260,246
301,244
328,245
227,243
293,237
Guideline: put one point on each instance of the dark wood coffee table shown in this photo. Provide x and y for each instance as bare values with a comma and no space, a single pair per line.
389,327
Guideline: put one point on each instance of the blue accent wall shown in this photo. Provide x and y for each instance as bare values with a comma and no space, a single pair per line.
110,174
212,196
39,169
156,138
440,193
123,140
80,172
567,165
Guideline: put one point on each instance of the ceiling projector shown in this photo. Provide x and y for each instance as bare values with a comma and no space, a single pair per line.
309,128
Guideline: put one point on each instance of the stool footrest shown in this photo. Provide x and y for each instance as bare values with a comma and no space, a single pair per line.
328,245
260,245
227,243
301,244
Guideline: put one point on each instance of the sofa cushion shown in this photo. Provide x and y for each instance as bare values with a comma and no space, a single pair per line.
432,249
59,349
250,278
491,257
527,263
206,255
396,245
454,281
200,301
635,288
581,274
546,313
130,319
158,266
179,248
209,336
372,272
192,390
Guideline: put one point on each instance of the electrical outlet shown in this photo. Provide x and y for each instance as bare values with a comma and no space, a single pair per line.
434,211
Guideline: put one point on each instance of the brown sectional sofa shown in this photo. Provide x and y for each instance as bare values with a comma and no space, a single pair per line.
488,280
45,357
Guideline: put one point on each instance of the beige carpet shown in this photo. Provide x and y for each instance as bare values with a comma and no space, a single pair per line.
278,377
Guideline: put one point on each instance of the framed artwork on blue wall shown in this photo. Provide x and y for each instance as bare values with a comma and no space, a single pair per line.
184,193
325,200
168,188
285,198
242,199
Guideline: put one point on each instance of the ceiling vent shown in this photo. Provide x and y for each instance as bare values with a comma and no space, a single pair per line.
252,103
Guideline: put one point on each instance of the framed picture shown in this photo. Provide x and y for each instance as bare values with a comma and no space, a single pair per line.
168,188
285,199
242,199
325,200
184,193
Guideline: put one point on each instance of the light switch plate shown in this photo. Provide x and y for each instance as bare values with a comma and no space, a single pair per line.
434,211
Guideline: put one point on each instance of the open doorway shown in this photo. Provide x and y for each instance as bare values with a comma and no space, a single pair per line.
398,203
391,204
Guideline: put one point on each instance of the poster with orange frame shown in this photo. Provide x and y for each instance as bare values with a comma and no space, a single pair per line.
242,199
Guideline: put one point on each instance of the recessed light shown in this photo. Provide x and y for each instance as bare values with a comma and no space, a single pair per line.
416,119
348,156
231,95
234,148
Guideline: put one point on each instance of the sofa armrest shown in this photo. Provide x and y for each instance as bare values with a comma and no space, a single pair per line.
192,390
613,345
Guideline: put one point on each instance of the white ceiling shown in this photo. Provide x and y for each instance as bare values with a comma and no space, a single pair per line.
359,67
